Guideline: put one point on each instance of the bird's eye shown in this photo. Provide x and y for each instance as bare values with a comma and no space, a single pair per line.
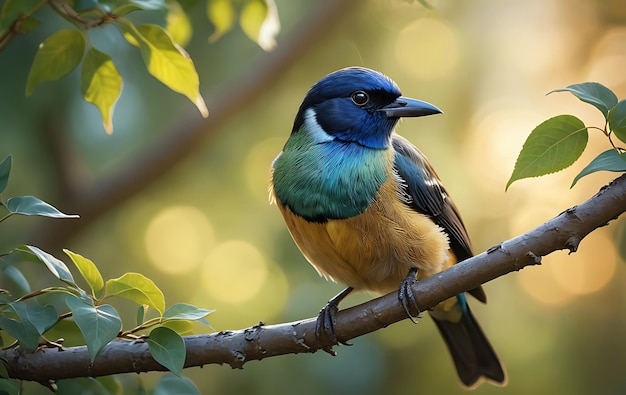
360,98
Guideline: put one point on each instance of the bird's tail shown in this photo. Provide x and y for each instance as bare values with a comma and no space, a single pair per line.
471,352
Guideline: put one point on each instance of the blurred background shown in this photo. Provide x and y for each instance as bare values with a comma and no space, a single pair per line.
202,228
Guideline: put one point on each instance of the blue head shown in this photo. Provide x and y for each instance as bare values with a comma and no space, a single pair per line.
358,105
336,158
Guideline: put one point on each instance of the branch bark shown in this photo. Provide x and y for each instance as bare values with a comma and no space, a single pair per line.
236,348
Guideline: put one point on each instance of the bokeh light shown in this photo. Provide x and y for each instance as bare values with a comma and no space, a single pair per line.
234,272
564,277
432,37
177,239
258,164
497,133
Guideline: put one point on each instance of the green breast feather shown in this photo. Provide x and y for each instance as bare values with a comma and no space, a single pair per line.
328,180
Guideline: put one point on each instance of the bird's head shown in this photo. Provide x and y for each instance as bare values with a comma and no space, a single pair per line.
356,105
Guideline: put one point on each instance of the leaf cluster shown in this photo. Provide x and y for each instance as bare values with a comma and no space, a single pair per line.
560,141
161,47
25,318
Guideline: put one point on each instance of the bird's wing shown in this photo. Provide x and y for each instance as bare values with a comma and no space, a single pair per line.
426,194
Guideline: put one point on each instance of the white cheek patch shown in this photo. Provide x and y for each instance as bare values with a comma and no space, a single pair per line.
317,133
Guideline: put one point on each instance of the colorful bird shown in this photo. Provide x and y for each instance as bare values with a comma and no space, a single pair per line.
366,208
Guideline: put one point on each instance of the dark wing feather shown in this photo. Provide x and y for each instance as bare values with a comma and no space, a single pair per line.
426,194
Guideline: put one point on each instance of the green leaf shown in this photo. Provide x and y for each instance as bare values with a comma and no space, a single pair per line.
56,267
42,317
10,387
259,21
165,60
178,24
57,56
168,349
101,84
12,9
184,311
182,327
30,205
88,270
4,373
138,5
171,384
16,276
141,313
25,332
5,170
609,160
221,14
84,386
552,146
33,321
27,24
98,324
137,288
617,120
593,93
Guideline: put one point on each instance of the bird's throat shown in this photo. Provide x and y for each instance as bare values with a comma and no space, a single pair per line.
330,180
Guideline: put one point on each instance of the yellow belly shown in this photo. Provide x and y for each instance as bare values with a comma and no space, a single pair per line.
373,251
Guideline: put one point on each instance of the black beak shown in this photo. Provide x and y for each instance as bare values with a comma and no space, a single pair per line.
407,107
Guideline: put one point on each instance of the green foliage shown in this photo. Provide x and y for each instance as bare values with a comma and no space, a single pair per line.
161,47
98,324
137,288
165,60
171,384
56,57
258,20
560,141
610,160
30,205
168,349
88,270
25,317
24,205
101,84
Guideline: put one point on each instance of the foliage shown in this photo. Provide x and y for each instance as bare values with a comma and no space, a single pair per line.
27,317
161,47
558,142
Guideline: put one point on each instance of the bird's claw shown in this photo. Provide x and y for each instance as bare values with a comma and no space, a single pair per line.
407,297
325,325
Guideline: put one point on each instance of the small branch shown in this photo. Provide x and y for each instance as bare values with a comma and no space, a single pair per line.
236,348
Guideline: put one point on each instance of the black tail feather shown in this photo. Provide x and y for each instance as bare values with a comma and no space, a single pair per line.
473,356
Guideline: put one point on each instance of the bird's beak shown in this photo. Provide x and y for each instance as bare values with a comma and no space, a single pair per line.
407,107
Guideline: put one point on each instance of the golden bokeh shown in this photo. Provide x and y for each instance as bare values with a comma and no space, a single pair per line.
234,272
564,277
258,163
432,37
177,239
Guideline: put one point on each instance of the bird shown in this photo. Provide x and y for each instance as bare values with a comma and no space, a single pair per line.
366,208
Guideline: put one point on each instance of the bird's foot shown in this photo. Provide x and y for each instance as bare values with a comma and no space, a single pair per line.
407,297
325,325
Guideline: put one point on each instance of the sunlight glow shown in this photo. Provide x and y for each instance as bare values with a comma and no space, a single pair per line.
564,277
177,238
427,49
234,272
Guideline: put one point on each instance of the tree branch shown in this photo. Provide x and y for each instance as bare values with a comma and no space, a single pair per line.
186,134
235,348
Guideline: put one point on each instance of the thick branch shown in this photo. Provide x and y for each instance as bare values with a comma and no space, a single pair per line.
235,348
186,134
